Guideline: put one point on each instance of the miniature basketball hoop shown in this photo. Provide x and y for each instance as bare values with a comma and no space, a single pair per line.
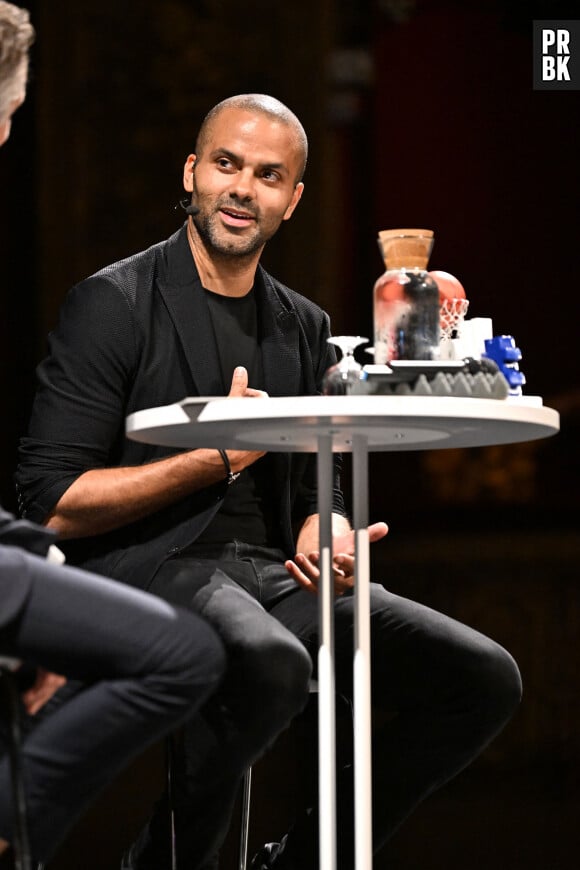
452,314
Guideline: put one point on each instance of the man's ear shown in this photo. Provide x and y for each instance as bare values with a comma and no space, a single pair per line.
298,190
188,173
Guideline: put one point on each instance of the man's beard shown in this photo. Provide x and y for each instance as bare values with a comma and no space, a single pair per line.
235,246
215,239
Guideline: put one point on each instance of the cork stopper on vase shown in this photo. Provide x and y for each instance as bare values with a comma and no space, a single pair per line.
406,249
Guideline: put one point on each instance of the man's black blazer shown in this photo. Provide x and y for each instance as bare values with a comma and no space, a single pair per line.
137,335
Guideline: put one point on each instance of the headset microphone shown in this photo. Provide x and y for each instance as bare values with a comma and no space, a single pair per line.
188,207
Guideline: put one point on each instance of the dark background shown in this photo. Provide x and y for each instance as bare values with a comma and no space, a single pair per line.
418,114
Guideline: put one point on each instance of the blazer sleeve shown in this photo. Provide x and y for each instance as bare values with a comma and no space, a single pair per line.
78,413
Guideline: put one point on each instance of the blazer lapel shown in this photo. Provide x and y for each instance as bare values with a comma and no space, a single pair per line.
280,343
184,298
279,340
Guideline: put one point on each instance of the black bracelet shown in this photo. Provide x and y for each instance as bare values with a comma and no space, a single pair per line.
230,476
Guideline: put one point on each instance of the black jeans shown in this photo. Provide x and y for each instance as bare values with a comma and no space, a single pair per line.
451,690
145,667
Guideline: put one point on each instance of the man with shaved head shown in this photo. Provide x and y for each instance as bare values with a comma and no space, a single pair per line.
233,535
276,110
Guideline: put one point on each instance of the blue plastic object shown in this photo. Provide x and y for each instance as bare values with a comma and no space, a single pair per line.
503,351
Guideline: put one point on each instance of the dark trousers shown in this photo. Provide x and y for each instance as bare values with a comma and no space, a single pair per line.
146,667
446,689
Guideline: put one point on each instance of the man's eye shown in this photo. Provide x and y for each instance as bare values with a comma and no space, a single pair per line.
224,163
270,175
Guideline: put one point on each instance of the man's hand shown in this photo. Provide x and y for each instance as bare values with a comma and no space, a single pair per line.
240,386
240,459
305,568
45,685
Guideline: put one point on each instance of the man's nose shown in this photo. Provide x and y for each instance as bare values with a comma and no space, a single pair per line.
244,184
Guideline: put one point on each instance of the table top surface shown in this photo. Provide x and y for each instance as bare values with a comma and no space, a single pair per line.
295,424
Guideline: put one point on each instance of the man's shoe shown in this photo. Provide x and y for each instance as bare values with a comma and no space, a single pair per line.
127,861
264,857
272,856
130,861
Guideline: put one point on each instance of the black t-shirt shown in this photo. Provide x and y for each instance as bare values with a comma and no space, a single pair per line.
249,511
235,326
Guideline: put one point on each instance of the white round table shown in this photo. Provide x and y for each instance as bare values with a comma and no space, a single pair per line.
357,424
386,422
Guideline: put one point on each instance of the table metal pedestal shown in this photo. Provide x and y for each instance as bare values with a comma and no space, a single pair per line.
356,424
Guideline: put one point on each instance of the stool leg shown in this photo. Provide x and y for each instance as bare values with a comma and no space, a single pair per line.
169,762
22,859
245,823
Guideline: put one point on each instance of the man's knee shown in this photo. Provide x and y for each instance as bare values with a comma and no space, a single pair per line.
195,659
500,683
278,673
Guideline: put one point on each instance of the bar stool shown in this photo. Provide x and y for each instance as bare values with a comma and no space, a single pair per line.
245,819
246,794
169,762
245,814
11,708
246,801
